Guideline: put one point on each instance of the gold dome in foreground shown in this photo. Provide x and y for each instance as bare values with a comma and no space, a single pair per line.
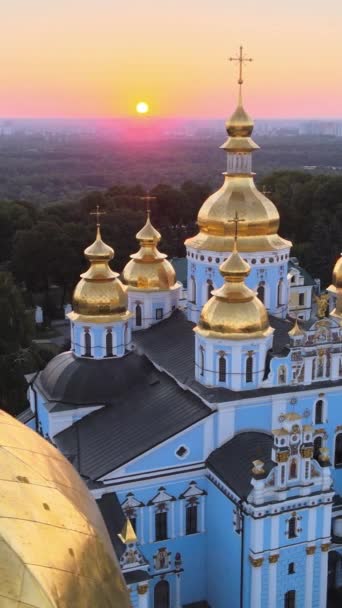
55,551
149,269
336,276
234,311
99,297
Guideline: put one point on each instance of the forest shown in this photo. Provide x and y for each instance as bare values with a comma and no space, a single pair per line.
42,247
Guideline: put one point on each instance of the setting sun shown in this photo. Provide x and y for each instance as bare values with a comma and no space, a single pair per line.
142,107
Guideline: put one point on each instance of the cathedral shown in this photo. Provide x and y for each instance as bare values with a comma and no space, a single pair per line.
206,421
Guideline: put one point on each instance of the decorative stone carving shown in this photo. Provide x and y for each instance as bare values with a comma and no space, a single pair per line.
256,562
325,547
273,558
142,589
310,550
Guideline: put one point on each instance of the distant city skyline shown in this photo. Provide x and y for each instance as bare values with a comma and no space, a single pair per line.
80,60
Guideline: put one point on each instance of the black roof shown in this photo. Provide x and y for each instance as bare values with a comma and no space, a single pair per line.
81,381
26,416
232,462
148,409
114,519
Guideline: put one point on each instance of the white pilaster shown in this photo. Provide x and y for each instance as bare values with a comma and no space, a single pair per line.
272,583
256,587
324,578
151,522
309,578
172,514
178,592
181,517
143,596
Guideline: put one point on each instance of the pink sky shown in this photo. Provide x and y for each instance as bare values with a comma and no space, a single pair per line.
80,58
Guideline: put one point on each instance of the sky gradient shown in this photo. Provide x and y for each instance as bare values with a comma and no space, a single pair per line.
98,58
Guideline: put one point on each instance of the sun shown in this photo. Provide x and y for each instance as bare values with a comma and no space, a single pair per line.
142,107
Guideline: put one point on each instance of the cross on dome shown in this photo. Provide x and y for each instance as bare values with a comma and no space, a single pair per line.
148,198
98,213
241,59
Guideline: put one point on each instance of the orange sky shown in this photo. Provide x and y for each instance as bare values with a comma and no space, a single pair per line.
86,58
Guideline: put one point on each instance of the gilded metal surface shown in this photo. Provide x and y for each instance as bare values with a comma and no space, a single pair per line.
55,551
99,296
296,331
337,274
240,124
127,534
149,269
234,311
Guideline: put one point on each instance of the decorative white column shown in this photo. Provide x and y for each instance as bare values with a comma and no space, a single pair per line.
141,516
272,579
308,370
335,366
202,511
172,531
256,581
151,530
178,591
310,557
181,517
142,595
324,575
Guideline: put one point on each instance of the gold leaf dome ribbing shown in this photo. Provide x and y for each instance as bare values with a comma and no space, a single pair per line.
99,296
234,311
149,269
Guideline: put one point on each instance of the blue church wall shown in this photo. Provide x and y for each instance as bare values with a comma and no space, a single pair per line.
43,417
223,551
287,582
165,455
257,417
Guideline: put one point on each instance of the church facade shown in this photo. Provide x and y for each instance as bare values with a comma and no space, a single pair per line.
215,433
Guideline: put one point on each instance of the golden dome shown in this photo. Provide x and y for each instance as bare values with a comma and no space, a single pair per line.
55,551
234,311
296,331
240,124
337,276
258,231
149,269
99,296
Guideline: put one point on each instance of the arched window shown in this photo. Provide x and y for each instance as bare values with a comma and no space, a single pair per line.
209,289
202,360
222,368
319,411
261,292
138,315
292,531
87,343
290,599
109,343
320,367
249,368
293,469
280,295
338,450
282,374
193,290
317,446
162,595
161,525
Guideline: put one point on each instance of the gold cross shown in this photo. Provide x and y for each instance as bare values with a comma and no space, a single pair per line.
98,213
236,221
241,59
148,198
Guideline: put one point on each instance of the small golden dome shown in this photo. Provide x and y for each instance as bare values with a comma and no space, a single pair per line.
337,274
55,551
149,269
296,331
99,296
240,124
234,311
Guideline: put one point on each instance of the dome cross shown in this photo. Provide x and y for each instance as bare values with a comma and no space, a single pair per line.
241,59
148,198
98,214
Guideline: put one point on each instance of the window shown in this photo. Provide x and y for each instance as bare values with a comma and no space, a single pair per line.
182,451
282,375
282,475
193,290
293,469
290,599
161,525
307,469
159,313
280,292
261,292
138,315
291,568
202,360
319,412
209,289
317,447
191,519
301,299
87,343
109,343
338,450
292,531
249,369
222,368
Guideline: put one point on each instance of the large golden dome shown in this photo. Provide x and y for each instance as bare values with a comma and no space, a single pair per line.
238,194
149,269
55,551
99,296
336,276
234,311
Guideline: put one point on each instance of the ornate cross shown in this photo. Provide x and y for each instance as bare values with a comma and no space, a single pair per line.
98,213
241,59
236,221
148,198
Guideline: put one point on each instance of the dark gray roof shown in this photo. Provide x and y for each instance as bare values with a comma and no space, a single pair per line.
26,416
114,519
81,381
171,345
149,409
137,576
232,462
